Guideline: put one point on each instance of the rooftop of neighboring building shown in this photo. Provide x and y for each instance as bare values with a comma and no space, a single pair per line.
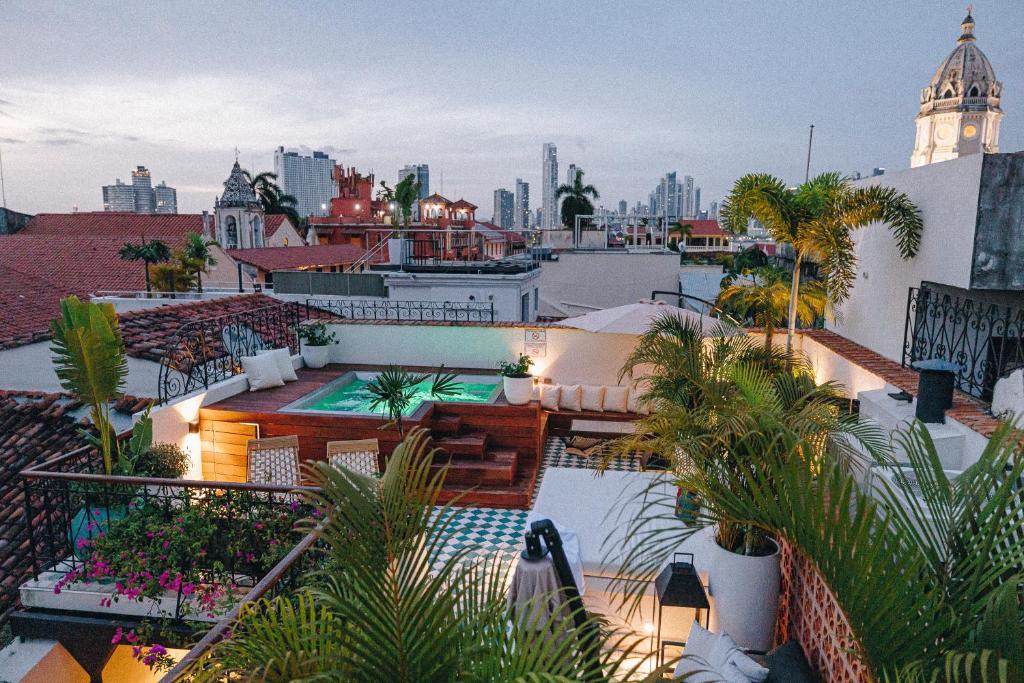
128,224
289,258
700,228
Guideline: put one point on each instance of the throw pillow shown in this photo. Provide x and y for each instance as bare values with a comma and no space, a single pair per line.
788,664
751,671
262,372
592,397
283,358
570,397
635,405
696,660
616,399
549,394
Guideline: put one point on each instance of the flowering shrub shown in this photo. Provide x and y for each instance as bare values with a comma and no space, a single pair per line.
204,551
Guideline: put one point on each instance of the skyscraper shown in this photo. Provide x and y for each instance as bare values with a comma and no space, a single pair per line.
687,197
118,197
570,174
142,185
549,187
623,207
140,196
307,178
166,198
713,211
523,218
696,202
422,173
504,209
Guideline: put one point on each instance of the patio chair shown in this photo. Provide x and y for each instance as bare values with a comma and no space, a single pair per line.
273,460
359,456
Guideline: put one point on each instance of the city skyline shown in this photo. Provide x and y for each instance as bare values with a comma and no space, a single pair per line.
730,112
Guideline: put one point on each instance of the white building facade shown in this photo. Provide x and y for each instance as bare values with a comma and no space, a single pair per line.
307,178
550,218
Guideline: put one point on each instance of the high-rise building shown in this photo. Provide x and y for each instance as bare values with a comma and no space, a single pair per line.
570,174
142,184
549,187
140,196
713,211
307,178
696,202
686,208
504,209
523,218
960,111
166,198
119,197
623,207
422,173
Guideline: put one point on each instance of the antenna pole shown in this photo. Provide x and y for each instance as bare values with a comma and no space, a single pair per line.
3,187
810,140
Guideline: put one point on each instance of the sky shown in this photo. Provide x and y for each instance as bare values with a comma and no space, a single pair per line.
626,90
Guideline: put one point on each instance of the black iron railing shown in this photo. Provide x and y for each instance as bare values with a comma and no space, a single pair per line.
194,548
385,309
203,352
986,340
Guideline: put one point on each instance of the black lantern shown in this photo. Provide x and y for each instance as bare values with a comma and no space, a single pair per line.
935,389
678,585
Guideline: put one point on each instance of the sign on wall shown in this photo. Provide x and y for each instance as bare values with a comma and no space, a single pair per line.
536,343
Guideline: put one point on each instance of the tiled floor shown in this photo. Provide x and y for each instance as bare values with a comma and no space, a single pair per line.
495,530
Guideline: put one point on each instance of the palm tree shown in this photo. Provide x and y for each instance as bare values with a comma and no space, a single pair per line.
765,301
90,362
576,202
407,191
394,389
817,218
387,607
149,253
271,198
197,256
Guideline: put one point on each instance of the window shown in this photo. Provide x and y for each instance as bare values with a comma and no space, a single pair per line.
536,298
231,232
257,232
974,91
524,308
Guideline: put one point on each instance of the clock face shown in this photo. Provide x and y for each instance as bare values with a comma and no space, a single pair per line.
944,132
970,131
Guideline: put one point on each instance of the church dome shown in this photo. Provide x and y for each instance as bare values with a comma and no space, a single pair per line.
237,190
966,79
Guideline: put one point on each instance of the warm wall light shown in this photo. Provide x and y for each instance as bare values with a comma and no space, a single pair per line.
193,427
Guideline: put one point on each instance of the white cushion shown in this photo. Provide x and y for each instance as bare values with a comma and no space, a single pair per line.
549,396
749,671
592,397
262,372
697,656
616,399
634,404
570,397
283,358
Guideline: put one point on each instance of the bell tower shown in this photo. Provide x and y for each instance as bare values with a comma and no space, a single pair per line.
960,111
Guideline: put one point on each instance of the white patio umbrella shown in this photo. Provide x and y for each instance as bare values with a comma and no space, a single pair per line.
637,318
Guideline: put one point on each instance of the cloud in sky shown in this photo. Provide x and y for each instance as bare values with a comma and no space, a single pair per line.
626,90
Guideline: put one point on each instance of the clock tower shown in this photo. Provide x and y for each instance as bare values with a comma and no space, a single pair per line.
960,111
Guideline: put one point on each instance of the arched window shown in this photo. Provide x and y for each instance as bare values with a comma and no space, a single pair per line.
257,232
947,94
231,232
974,91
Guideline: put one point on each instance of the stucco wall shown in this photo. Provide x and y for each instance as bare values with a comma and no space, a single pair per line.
504,291
30,368
947,194
579,282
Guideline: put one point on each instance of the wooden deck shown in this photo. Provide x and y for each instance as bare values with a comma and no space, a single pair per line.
493,450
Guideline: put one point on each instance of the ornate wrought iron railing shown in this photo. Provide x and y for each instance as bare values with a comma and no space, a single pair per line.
385,309
986,340
203,352
82,519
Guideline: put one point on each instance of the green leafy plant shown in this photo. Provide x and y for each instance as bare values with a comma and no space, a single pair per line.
151,252
392,607
577,200
164,461
90,361
519,368
315,333
196,256
817,218
765,301
272,199
395,388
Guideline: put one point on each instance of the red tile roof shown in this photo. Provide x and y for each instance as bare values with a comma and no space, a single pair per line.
273,222
701,228
147,331
287,258
116,224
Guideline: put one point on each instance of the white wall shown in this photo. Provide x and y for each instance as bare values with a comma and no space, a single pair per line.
504,291
947,194
30,368
572,356
579,282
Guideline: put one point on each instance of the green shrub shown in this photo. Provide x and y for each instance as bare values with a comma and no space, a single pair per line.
164,461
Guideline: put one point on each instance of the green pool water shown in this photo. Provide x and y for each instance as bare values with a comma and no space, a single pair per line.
354,397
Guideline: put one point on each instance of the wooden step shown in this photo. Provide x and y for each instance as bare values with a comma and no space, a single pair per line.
469,444
517,496
497,468
446,425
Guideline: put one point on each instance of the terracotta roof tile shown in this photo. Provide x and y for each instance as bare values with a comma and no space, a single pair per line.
285,258
115,224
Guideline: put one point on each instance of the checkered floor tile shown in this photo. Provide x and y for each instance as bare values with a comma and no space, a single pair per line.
490,530
555,456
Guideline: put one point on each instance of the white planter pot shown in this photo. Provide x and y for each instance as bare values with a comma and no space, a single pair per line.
395,246
745,596
518,390
315,356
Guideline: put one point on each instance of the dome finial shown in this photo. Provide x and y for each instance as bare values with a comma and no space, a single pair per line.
967,27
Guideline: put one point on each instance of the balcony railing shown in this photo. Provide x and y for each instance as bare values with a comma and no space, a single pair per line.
206,351
386,309
985,340
82,521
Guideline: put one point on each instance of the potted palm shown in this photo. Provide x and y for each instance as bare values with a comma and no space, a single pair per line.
516,380
316,343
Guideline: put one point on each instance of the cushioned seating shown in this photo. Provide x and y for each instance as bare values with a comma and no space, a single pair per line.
787,664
